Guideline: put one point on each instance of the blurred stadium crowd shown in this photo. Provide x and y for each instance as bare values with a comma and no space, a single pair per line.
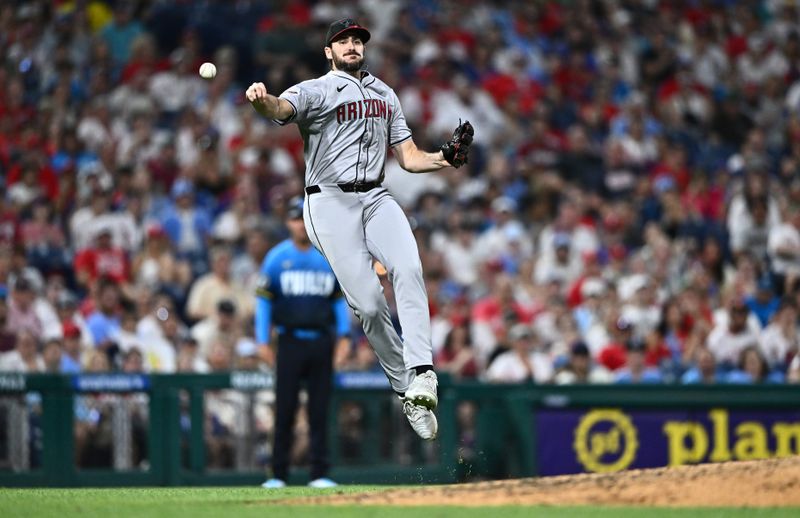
630,212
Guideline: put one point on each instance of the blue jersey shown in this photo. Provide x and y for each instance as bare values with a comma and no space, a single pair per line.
298,291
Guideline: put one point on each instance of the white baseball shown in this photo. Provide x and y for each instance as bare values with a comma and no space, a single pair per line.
208,70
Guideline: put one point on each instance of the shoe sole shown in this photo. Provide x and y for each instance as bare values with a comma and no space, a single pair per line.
436,431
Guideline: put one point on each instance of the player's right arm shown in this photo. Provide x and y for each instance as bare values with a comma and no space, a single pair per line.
268,105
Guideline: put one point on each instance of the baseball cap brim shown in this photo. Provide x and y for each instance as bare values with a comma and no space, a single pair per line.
294,213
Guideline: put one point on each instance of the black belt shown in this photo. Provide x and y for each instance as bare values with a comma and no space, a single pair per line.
347,187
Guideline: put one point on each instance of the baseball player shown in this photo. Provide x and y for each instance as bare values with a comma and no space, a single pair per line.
348,118
299,296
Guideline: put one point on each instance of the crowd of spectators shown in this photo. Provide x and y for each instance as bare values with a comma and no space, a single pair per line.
630,212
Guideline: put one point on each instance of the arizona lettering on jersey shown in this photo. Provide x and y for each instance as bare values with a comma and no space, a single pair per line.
347,126
363,109
303,282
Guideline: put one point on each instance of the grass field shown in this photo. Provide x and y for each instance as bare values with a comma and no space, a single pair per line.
248,502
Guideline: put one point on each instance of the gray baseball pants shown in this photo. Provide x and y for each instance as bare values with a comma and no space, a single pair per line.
352,228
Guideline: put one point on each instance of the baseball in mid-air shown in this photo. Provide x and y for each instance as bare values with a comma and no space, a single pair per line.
208,70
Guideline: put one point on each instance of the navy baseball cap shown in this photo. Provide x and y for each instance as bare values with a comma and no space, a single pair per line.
343,25
226,306
295,208
636,345
579,349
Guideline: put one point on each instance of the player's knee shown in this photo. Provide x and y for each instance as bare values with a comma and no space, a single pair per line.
370,308
370,312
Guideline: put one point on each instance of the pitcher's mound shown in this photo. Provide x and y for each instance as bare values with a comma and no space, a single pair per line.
762,483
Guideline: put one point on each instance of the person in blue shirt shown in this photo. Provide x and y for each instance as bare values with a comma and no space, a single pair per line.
120,33
71,355
188,225
635,369
704,371
764,303
104,322
753,368
300,300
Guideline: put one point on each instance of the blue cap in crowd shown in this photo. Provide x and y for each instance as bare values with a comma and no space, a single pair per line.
182,187
561,239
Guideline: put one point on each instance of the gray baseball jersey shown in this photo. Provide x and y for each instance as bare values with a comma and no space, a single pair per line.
346,125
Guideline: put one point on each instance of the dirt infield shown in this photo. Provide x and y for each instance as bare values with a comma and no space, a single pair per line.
765,483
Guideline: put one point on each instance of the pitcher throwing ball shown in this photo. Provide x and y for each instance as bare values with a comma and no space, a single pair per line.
348,118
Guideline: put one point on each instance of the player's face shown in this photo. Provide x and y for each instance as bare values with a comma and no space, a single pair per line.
347,53
297,230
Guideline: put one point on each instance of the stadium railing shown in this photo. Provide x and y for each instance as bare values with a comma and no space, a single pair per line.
486,431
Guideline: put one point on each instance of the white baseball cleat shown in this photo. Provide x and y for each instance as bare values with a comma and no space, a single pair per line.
322,483
422,390
422,420
274,483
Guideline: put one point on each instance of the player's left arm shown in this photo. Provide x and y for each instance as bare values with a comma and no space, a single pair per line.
415,160
409,156
454,152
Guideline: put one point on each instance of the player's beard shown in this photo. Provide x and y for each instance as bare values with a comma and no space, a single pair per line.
347,66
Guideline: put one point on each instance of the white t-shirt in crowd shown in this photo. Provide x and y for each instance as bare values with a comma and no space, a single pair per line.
508,368
775,345
727,346
780,236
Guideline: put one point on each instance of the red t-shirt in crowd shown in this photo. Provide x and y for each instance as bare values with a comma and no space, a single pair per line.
111,263
653,357
492,311
469,370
